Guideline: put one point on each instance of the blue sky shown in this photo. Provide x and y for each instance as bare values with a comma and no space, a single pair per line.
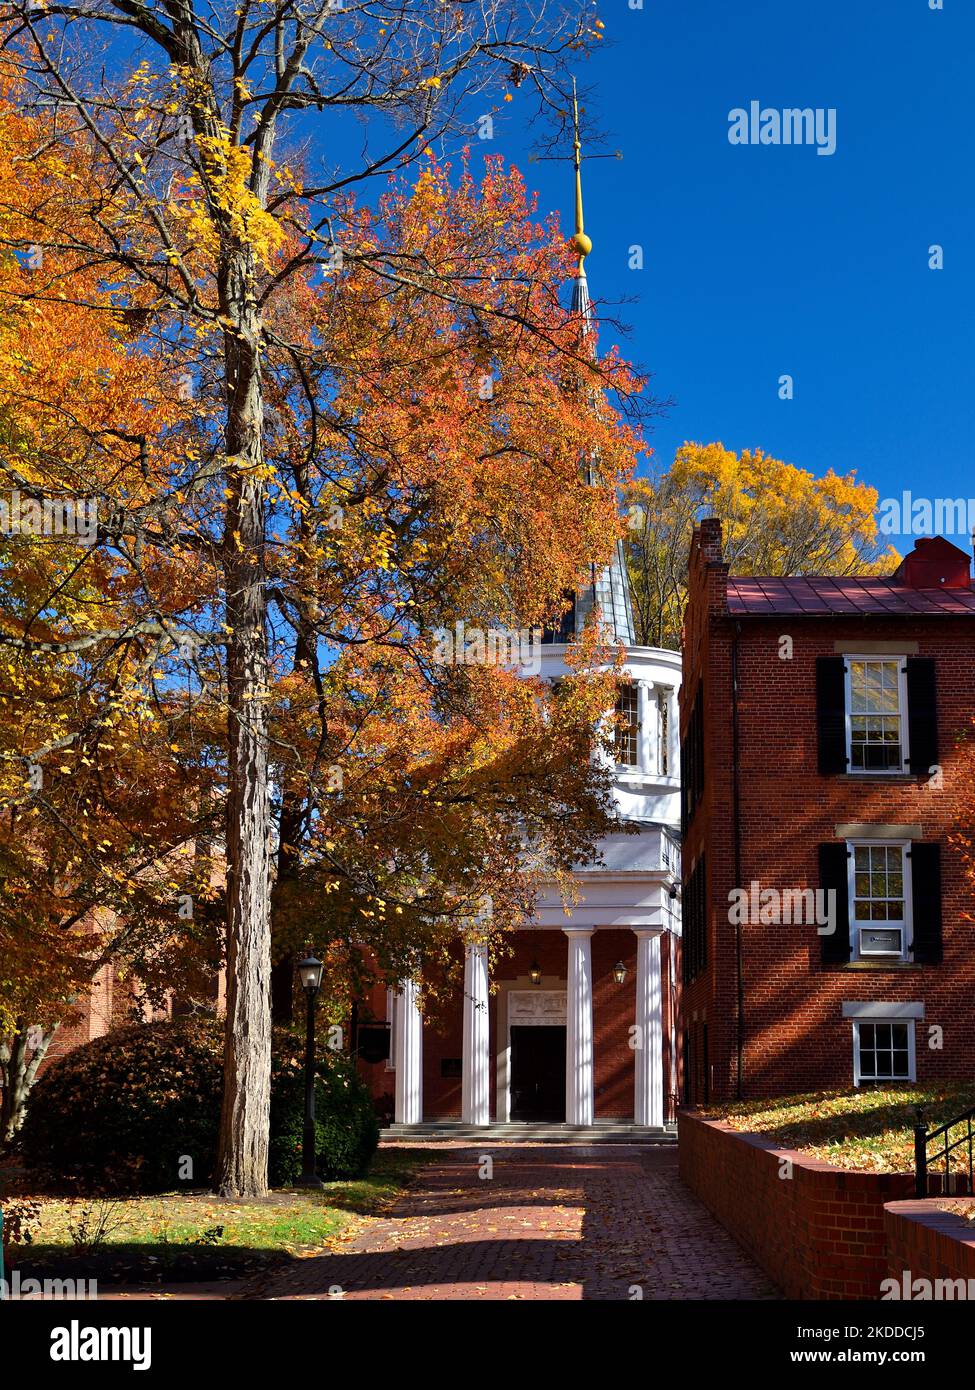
767,260
761,261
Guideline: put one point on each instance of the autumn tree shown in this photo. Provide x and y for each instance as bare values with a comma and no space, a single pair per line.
375,429
777,519
109,805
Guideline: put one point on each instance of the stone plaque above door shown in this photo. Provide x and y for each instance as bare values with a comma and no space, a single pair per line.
536,1006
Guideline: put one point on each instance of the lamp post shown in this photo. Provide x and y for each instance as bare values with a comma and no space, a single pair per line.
310,973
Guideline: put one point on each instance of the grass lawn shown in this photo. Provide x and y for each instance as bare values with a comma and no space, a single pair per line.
870,1130
196,1235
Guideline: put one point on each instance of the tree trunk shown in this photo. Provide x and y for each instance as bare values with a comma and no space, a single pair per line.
19,1065
294,804
242,1162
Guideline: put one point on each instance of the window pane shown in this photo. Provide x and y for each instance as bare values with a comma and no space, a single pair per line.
878,883
628,732
875,716
884,1053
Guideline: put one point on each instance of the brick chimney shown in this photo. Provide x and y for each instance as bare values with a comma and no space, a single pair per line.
708,538
707,579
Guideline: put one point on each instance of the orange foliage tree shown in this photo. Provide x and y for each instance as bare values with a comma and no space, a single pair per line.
352,429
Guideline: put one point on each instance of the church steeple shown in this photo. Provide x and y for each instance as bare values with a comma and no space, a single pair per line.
610,587
581,243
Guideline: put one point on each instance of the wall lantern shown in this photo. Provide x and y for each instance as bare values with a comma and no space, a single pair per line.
619,972
535,973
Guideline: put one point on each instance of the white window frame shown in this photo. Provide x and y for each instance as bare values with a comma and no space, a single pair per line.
909,1023
906,925
635,687
848,659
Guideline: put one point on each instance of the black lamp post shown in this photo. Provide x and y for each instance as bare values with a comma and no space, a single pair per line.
310,972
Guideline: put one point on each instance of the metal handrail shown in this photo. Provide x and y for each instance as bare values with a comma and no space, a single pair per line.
923,1139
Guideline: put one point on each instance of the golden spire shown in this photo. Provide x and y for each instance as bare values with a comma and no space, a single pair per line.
580,242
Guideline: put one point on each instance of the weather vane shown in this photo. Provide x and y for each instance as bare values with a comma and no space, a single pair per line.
580,242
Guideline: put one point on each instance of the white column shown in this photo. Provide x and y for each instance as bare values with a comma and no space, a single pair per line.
409,1056
578,1032
647,707
673,725
476,1084
648,1086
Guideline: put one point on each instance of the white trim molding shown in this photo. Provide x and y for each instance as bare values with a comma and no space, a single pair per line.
888,659
881,1013
908,1024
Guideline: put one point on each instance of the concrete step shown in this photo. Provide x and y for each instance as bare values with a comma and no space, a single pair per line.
602,1132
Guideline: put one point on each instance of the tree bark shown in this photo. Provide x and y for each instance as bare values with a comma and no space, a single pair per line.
19,1065
243,1154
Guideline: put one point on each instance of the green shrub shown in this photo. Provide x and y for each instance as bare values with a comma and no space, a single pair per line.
346,1128
123,1113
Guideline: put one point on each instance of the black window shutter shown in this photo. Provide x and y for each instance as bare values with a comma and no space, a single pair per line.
831,714
832,875
922,714
926,901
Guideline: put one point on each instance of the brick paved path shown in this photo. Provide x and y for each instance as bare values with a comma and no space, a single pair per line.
600,1222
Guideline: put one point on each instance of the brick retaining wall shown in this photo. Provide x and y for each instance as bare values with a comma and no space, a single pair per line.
819,1233
928,1243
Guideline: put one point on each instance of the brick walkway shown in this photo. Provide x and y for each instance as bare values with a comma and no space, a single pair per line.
553,1222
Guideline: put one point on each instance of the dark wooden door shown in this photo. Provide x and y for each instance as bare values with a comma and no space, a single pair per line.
538,1074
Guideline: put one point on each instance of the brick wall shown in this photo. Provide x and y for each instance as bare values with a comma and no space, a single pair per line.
819,1234
928,1243
795,1037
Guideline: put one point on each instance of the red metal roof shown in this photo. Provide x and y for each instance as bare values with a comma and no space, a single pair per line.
757,595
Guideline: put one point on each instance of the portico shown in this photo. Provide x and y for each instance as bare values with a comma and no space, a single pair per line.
545,1044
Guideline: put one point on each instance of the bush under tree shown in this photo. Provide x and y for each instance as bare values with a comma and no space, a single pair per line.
138,1110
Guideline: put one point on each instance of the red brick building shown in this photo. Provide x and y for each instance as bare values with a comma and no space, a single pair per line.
827,752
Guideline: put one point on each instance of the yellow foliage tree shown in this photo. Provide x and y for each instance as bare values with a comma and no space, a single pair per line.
777,519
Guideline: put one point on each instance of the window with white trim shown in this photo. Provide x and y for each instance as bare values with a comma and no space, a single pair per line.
880,900
883,1050
876,710
628,725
